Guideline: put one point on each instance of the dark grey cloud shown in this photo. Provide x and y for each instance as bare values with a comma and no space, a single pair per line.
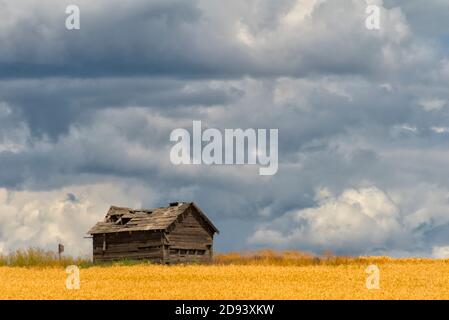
51,105
196,39
116,39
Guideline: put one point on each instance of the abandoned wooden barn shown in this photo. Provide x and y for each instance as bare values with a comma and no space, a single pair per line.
180,232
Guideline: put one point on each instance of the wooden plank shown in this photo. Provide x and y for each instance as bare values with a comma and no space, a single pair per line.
192,246
130,255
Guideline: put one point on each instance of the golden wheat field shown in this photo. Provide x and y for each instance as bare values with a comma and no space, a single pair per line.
399,279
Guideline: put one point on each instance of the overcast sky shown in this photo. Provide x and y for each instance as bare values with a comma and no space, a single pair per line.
363,119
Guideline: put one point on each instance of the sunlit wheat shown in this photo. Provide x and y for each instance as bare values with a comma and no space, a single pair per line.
264,275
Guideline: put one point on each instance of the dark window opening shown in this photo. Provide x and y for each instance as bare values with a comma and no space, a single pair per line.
114,218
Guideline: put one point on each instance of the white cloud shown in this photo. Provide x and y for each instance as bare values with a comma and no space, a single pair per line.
301,10
356,219
45,218
432,104
406,221
440,130
408,128
440,252
244,35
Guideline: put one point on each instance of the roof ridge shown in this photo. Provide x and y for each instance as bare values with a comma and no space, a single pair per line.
156,219
117,207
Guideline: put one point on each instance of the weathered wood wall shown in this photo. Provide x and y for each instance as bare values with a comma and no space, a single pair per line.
190,240
128,245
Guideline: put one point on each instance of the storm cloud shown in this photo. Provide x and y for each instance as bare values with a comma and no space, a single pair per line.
363,119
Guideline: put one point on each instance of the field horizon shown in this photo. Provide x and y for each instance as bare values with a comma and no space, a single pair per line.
37,257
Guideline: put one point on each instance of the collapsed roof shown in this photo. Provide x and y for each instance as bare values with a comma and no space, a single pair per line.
120,219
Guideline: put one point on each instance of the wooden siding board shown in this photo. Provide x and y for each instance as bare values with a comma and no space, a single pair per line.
138,245
190,233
